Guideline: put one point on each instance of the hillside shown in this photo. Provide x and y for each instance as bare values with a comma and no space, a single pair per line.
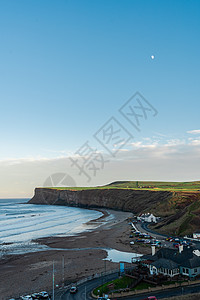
178,203
182,214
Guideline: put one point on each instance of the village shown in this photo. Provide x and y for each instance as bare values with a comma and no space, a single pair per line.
173,262
175,256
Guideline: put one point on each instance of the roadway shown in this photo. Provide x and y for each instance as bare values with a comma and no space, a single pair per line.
84,290
90,285
143,227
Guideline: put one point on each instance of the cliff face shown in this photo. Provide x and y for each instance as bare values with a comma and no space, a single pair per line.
180,211
118,199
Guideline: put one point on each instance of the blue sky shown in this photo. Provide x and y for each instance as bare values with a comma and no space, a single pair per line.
68,66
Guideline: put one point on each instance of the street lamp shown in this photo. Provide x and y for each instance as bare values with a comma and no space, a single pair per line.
63,270
53,280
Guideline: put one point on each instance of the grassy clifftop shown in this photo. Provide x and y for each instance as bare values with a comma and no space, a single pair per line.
150,185
157,185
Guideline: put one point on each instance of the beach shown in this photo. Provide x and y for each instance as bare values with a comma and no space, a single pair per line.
81,255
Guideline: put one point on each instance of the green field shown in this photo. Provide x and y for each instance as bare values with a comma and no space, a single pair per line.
145,185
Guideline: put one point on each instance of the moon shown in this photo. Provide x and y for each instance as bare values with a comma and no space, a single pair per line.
152,56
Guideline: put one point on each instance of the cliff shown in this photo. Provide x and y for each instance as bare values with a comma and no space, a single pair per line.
135,201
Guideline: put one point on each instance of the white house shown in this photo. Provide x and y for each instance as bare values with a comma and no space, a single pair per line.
148,217
196,235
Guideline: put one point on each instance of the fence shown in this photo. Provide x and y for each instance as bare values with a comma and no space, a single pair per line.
152,289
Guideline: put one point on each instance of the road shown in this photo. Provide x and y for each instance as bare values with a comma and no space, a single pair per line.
88,287
143,227
168,293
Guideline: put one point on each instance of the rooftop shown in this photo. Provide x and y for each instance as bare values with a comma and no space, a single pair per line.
187,258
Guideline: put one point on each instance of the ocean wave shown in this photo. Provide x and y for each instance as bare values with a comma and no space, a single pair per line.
23,222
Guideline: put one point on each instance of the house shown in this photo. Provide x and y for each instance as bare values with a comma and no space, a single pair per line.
147,217
171,262
164,266
196,235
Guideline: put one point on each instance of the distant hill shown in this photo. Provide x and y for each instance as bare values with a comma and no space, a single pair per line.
157,185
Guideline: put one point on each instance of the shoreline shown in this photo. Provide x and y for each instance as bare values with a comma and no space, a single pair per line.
91,225
110,231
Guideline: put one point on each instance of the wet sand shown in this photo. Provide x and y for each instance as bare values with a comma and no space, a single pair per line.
82,254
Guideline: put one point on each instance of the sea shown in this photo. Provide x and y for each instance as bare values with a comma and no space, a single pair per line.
21,223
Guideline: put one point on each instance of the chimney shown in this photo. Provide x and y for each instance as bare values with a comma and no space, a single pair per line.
153,250
180,248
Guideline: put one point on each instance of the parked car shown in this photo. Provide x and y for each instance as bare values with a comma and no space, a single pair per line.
185,243
28,297
147,236
177,240
73,290
174,244
156,244
147,241
141,235
140,240
44,295
169,239
36,296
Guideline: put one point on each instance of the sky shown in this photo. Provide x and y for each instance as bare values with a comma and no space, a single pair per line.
74,74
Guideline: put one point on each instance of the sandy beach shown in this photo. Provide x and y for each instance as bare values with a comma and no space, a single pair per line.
82,254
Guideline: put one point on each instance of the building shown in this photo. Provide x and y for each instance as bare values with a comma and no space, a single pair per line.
171,262
196,235
164,266
147,217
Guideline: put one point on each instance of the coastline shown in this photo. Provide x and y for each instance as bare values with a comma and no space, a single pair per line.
110,231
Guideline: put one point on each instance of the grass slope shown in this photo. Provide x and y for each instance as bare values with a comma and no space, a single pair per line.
157,185
150,185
